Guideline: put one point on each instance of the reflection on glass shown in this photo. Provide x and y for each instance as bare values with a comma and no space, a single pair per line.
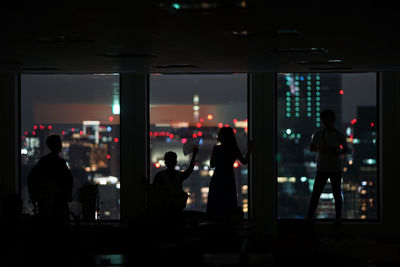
84,111
301,98
192,108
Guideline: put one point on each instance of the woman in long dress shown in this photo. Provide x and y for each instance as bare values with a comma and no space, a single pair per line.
222,196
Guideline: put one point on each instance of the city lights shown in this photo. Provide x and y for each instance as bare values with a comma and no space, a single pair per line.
209,117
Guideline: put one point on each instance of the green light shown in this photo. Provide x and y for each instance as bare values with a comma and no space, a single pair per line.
308,77
309,98
288,93
297,78
317,77
317,83
308,104
297,114
297,109
317,98
317,93
308,109
317,88
115,109
288,83
308,114
308,87
297,98
288,109
297,104
318,119
317,114
297,93
308,83
298,135
288,104
176,6
296,83
309,93
317,124
284,135
287,98
288,115
317,109
317,104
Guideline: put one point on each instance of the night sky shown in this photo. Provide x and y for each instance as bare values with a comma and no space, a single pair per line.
220,89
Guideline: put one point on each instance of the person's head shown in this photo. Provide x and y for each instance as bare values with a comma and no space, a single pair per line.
170,159
328,118
54,143
227,138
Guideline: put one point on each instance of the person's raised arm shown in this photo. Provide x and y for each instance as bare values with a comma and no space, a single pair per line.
189,170
313,145
246,158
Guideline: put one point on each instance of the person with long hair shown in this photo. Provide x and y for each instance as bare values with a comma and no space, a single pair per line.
222,196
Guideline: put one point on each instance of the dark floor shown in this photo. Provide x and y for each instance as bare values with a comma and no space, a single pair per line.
205,244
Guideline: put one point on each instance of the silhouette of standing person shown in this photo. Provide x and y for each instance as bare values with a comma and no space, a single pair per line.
329,144
222,196
50,184
168,185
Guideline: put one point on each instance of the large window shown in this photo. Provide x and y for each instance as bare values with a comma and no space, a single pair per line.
300,99
192,108
84,111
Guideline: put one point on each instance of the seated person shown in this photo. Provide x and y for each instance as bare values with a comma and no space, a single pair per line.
169,195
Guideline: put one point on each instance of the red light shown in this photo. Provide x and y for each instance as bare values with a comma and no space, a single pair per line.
198,125
111,118
226,125
73,129
116,140
234,130
372,124
155,134
200,134
158,165
171,136
151,133
341,92
220,125
26,133
341,147
34,133
210,117
353,121
184,140
34,127
351,136
50,127
235,120
108,156
194,135
201,120
41,127
235,165
81,132
63,132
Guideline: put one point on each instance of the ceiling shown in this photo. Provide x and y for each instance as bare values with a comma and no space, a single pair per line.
221,36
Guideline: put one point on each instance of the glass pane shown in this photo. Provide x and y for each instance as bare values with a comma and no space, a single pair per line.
192,108
84,111
301,99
